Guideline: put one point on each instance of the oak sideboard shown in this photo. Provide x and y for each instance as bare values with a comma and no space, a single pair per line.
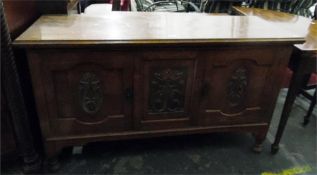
135,75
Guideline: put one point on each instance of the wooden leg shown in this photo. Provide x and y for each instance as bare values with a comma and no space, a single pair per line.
52,163
14,96
305,80
296,83
310,110
259,139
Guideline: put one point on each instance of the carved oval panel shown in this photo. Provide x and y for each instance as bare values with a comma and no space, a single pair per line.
90,93
237,87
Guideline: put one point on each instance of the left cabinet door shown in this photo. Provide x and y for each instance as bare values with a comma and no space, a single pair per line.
82,92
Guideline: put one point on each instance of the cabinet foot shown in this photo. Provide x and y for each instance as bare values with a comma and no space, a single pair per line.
53,165
257,148
259,139
52,152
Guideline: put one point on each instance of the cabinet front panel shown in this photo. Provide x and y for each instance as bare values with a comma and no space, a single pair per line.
87,92
234,88
165,90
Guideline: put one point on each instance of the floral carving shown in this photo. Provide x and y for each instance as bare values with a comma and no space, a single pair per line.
90,93
167,90
237,86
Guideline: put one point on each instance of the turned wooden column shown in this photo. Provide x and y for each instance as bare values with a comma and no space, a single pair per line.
12,89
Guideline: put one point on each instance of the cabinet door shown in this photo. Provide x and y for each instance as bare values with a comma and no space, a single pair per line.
237,86
82,92
163,89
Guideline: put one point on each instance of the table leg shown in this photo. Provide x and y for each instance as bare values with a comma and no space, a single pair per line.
310,110
295,84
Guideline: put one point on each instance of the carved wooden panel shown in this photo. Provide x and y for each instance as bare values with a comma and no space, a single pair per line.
83,92
167,90
86,96
90,93
163,91
237,86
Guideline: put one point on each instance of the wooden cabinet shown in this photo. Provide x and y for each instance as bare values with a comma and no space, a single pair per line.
93,94
150,77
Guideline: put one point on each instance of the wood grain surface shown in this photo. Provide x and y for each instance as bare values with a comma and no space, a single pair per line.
141,27
299,25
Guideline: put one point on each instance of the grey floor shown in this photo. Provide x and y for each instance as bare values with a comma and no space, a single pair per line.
200,154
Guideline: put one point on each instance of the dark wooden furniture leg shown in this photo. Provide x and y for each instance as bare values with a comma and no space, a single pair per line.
259,139
311,98
295,84
310,110
12,89
52,162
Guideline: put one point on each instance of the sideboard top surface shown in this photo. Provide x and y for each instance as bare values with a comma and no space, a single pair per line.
152,28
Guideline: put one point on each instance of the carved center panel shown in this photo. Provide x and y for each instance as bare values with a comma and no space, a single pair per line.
237,86
90,93
167,90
